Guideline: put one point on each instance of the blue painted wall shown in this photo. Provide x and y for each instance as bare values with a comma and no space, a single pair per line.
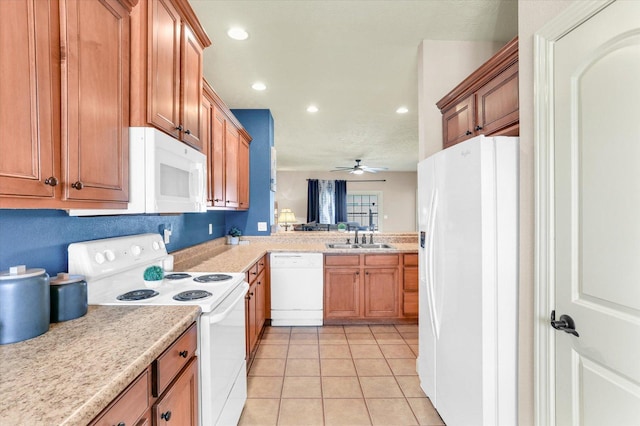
39,238
259,124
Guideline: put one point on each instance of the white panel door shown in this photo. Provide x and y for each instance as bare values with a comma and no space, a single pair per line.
597,211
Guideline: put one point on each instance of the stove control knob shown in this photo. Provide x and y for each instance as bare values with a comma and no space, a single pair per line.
110,255
155,245
99,258
136,250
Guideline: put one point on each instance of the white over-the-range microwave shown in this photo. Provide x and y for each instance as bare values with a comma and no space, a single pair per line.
165,176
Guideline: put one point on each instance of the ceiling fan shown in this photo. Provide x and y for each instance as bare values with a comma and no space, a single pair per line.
359,169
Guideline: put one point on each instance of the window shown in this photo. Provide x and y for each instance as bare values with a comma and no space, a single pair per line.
365,207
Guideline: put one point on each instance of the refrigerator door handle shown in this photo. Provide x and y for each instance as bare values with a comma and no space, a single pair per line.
430,264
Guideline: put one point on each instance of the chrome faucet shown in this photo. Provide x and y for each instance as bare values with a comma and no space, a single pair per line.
370,238
356,239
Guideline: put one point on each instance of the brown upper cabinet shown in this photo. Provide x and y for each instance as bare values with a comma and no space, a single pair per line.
167,57
486,102
228,159
69,142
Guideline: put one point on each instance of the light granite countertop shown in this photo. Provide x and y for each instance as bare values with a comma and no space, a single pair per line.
215,256
71,373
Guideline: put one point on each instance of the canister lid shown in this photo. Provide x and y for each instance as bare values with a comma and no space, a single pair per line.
20,271
65,278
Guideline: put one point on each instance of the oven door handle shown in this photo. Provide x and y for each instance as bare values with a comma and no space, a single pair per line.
216,317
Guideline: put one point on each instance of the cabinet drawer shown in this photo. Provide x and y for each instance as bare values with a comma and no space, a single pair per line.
342,260
410,278
129,406
411,259
262,263
252,273
174,359
381,259
410,303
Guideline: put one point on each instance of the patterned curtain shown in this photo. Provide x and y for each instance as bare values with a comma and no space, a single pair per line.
327,201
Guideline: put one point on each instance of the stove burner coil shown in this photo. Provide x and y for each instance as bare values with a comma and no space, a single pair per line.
189,295
137,295
210,278
177,276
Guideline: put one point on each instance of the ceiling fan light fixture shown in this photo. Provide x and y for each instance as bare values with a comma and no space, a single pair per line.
312,108
358,172
259,86
402,110
238,33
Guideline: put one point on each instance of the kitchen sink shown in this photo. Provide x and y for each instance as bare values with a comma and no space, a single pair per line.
358,246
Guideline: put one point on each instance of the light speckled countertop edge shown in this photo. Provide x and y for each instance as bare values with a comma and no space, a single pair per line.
94,406
70,374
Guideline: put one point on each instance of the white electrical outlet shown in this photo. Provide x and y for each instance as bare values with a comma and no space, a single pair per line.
210,228
262,226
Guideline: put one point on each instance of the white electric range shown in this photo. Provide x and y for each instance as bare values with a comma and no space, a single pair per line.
114,268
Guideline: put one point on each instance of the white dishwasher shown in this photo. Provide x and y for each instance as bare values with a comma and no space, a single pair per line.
297,289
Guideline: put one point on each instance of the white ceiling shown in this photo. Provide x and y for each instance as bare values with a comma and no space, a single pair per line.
356,60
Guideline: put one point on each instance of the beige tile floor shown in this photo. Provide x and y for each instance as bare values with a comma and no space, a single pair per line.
337,375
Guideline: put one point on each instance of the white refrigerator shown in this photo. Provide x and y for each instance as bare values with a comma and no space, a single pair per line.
468,256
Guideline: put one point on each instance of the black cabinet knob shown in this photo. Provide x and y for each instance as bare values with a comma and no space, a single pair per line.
468,132
188,131
77,185
179,127
166,416
478,127
51,181
183,354
122,424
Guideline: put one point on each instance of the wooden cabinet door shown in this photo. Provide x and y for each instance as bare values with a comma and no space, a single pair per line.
217,174
342,293
250,318
163,68
231,143
205,134
243,174
497,103
95,93
458,122
179,404
29,100
132,404
260,295
191,88
381,292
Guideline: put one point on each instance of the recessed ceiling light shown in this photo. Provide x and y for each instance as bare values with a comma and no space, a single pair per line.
258,85
402,110
238,33
312,108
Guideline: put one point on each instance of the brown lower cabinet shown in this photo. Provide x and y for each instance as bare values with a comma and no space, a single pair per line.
256,303
167,390
410,285
361,287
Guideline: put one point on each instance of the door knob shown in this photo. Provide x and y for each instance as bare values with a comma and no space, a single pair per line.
565,323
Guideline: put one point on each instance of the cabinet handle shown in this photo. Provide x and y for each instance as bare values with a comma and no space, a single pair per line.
179,127
166,416
51,181
468,132
77,185
217,200
188,132
254,273
183,354
122,424
259,282
478,127
247,297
